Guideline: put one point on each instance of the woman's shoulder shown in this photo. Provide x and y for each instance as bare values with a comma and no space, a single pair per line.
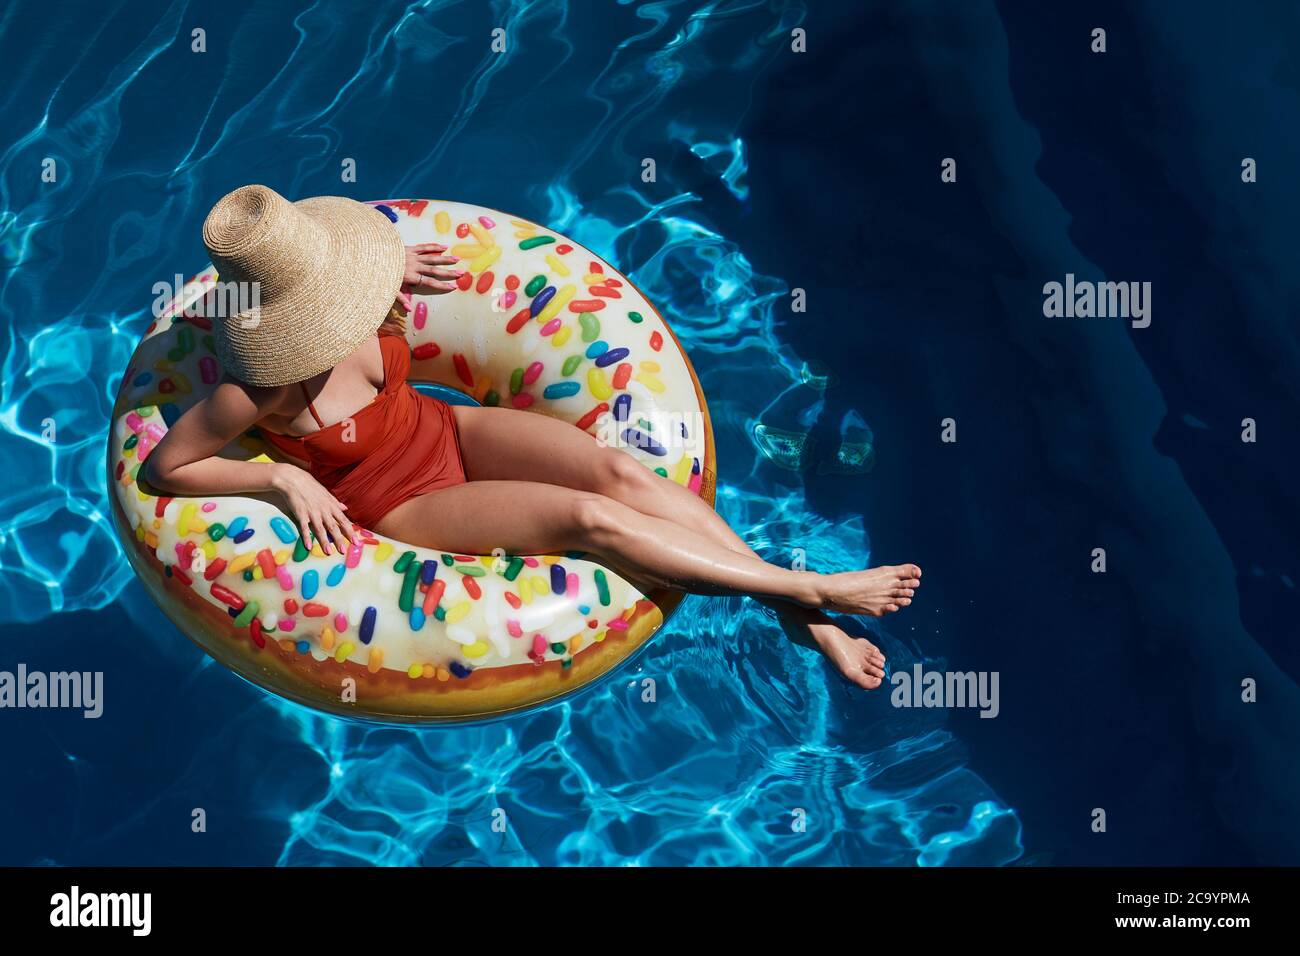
396,353
265,398
393,344
233,400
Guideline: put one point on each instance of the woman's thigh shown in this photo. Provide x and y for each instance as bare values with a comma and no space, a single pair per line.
524,517
503,444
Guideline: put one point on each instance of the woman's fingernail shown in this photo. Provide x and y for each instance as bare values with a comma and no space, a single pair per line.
455,258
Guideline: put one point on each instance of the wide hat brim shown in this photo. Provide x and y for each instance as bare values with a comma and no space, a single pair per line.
333,285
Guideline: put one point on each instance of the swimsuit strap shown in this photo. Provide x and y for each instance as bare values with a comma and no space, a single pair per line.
310,407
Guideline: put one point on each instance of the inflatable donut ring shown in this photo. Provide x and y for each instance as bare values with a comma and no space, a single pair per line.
392,632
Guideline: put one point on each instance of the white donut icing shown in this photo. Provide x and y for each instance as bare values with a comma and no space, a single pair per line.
165,377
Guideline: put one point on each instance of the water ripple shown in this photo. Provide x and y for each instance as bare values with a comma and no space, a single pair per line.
722,743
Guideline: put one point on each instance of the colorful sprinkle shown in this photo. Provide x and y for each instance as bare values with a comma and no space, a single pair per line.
462,369
599,384
433,595
248,614
540,301
561,390
518,322
639,439
227,596
589,419
611,357
367,629
411,577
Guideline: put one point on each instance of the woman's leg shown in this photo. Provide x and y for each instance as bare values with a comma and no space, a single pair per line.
531,517
504,444
501,443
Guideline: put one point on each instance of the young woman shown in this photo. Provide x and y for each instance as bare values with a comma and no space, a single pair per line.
320,364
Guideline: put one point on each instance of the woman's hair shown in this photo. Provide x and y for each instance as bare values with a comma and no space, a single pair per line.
395,322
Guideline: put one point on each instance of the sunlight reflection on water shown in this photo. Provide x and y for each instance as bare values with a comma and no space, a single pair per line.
748,737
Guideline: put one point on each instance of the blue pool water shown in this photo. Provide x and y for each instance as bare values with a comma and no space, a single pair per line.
775,171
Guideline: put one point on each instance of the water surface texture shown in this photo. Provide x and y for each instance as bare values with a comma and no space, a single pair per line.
776,171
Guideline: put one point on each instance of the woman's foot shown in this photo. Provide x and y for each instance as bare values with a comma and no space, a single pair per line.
857,659
875,592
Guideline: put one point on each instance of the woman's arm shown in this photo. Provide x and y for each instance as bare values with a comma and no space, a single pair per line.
186,463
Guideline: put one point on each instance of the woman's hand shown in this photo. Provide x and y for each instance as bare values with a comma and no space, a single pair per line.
313,507
427,272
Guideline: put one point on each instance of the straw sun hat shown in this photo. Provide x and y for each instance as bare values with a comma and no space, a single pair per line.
327,271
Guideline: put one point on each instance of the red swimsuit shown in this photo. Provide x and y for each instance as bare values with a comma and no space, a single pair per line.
403,444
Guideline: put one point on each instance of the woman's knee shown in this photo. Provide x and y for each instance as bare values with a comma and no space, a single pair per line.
619,475
596,518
